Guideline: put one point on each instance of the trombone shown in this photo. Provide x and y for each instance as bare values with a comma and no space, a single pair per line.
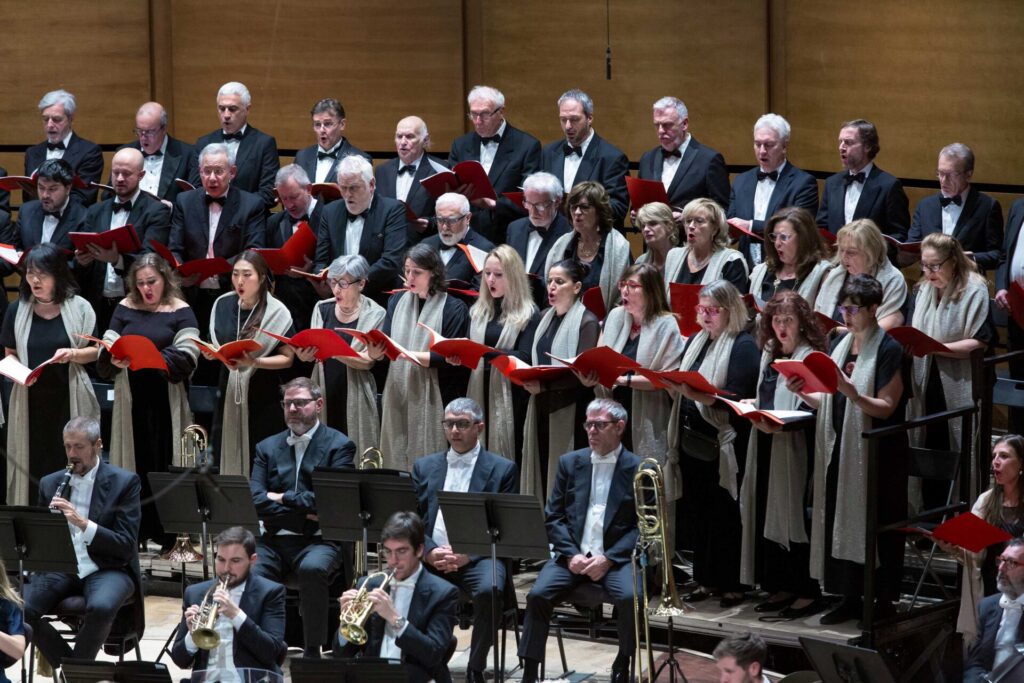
194,440
370,459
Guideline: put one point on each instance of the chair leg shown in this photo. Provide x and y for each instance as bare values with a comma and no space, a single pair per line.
31,662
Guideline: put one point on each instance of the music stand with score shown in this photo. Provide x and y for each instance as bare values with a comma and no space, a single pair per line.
839,663
89,671
358,670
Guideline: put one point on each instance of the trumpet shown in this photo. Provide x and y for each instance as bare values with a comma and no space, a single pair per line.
204,633
354,615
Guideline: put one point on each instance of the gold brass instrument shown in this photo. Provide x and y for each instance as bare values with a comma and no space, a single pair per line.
193,454
370,459
651,545
204,633
353,617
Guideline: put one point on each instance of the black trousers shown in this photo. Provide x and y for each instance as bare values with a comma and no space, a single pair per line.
475,580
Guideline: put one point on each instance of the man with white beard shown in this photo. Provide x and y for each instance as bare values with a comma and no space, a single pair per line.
452,215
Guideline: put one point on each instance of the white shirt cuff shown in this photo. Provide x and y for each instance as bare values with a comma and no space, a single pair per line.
90,531
238,620
190,644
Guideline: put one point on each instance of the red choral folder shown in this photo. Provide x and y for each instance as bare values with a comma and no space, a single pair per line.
909,247
293,252
690,378
203,267
474,255
327,343
516,198
468,351
817,369
142,352
458,287
325,191
10,254
827,235
184,185
773,417
27,183
594,302
606,362
392,349
410,215
826,323
125,238
11,367
919,343
312,277
228,353
736,232
464,173
519,372
643,192
967,531
683,299
1015,297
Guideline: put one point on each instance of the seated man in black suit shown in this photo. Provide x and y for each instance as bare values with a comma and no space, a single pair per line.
320,161
100,272
507,154
593,491
56,213
452,216
465,467
296,292
960,210
741,658
687,169
253,152
250,615
282,490
101,505
165,158
1000,626
364,223
415,621
585,155
773,184
533,236
400,178
85,158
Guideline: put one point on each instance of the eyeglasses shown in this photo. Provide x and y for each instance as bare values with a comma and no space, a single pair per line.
952,174
461,425
783,320
850,310
778,237
450,221
580,207
325,125
934,267
1003,559
598,425
538,206
296,402
482,115
709,310
213,172
631,285
342,284
147,133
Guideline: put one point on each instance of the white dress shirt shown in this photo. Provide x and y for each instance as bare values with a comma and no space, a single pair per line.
354,232
235,142
951,212
600,484
489,149
572,162
401,598
113,284
214,211
154,166
762,195
670,165
853,192
81,499
1006,635
460,473
59,153
50,222
403,181
323,166
301,443
220,666
533,242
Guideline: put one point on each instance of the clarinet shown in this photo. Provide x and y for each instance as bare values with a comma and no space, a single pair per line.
64,483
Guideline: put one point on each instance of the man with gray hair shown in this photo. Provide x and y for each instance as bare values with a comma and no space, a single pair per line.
165,158
364,223
533,236
253,151
687,169
320,161
507,154
773,184
400,178
57,109
584,155
959,209
465,467
1000,626
455,238
296,292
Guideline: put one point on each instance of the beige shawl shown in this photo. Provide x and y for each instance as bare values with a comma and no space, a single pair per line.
500,424
808,288
894,290
972,588
616,260
675,262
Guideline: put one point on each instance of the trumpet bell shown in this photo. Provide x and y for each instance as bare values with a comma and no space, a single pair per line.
353,633
205,638
183,551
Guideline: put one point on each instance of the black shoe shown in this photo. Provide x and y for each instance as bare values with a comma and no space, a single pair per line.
311,653
474,676
727,602
801,612
849,608
774,605
620,675
698,595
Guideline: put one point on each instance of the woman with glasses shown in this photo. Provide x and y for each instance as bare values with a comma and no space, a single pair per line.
593,241
706,256
347,384
45,323
870,395
712,441
660,233
794,257
861,250
151,406
418,389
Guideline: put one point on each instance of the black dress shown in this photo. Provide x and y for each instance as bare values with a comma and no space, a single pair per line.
624,395
492,333
593,278
11,623
734,271
152,431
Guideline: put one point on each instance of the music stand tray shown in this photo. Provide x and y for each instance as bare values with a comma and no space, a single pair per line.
360,670
351,501
36,539
184,500
89,671
840,663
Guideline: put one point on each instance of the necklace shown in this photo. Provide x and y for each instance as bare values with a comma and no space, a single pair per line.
44,301
238,319
634,329
346,312
696,265
587,252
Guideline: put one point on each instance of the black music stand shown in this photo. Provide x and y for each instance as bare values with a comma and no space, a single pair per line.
477,523
359,670
840,663
353,503
90,671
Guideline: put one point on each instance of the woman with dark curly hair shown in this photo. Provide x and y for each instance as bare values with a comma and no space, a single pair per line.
795,257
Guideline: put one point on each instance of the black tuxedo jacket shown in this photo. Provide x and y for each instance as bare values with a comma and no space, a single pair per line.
979,228
518,156
5,196
701,173
492,474
306,158
296,293
274,470
566,510
85,158
426,639
259,644
882,199
793,188
179,162
982,654
29,232
459,268
256,160
518,239
603,163
242,225
382,244
1013,223
419,201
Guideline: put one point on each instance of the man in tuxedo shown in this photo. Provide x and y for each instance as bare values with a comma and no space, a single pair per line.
101,505
591,523
364,223
453,229
533,236
296,292
772,185
320,161
585,155
741,659
56,213
165,158
400,178
250,614
687,169
100,272
415,621
1000,627
253,152
507,154
465,467
863,190
1010,271
282,490
960,210
57,109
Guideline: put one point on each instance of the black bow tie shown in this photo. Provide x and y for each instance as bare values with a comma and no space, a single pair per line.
122,206
55,214
570,150
539,230
854,178
156,154
303,217
674,153
773,175
231,136
492,138
408,168
955,199
320,156
354,216
215,200
55,145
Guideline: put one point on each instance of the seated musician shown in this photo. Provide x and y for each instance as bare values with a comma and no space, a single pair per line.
414,619
282,490
250,615
466,466
101,505
740,659
591,522
994,655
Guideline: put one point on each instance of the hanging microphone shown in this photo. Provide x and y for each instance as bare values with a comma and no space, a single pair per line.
64,483
608,63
